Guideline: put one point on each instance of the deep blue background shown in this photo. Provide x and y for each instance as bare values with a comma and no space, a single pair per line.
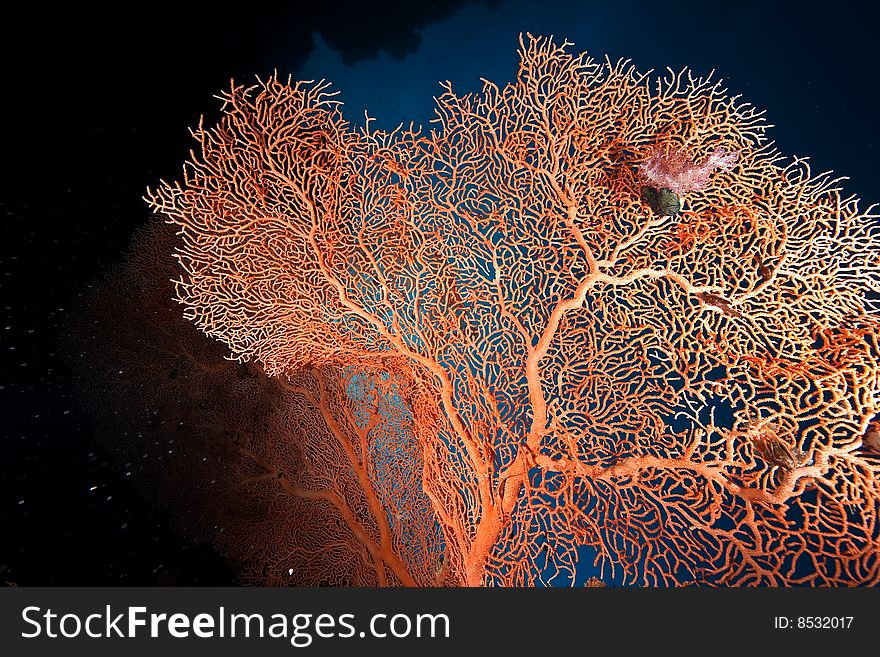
96,106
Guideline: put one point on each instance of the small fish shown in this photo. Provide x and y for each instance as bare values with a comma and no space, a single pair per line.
763,270
719,302
774,451
663,202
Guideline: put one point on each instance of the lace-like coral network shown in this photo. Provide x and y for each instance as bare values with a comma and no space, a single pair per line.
610,329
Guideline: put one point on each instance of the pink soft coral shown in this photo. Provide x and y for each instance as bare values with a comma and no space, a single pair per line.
676,171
